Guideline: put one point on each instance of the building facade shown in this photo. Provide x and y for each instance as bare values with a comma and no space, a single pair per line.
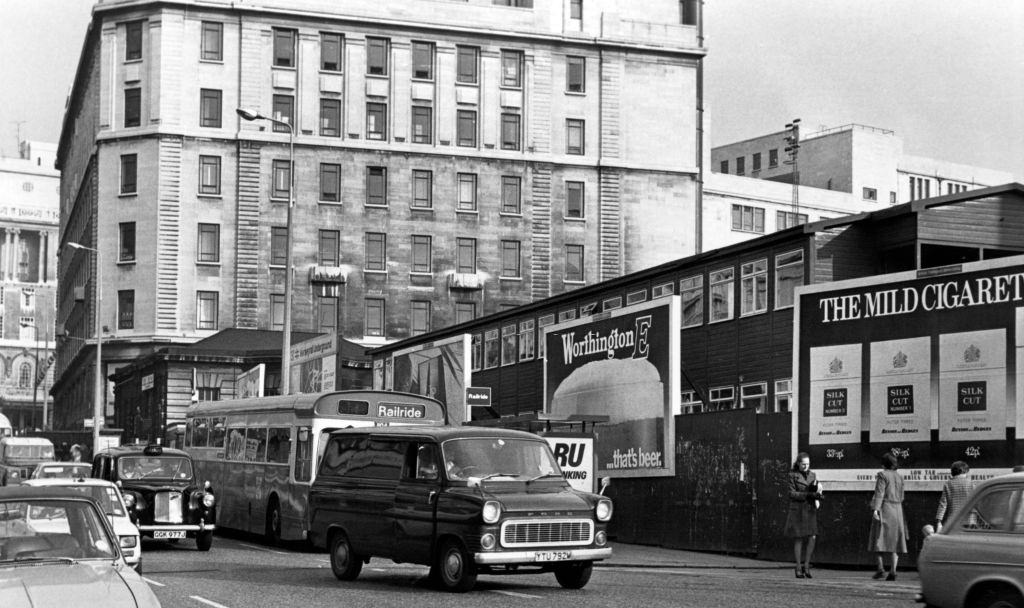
446,159
29,194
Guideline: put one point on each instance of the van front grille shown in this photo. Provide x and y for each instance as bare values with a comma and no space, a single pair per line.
546,532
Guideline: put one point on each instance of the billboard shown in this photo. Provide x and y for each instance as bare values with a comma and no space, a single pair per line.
622,364
313,364
922,364
436,369
250,382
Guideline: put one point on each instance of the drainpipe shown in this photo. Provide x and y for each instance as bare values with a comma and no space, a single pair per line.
698,242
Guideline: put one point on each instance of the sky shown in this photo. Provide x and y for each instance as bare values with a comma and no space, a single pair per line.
947,76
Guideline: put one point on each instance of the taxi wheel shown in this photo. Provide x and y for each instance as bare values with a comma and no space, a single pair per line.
204,540
454,569
998,597
272,530
345,564
574,576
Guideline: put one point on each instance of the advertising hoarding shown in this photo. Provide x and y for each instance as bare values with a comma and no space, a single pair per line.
575,455
314,363
436,369
250,382
622,364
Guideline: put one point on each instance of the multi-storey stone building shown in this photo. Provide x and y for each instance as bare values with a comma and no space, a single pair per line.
450,159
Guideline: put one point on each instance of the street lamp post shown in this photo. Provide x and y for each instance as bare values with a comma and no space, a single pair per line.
286,340
44,367
97,405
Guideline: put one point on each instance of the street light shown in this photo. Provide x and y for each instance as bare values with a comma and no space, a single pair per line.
286,340
97,405
39,366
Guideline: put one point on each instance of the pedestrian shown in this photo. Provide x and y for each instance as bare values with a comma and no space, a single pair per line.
802,517
888,527
76,453
954,493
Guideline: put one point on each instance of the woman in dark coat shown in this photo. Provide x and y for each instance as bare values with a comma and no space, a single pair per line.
802,518
888,528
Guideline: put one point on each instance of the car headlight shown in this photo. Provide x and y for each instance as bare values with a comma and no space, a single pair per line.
208,500
603,510
491,511
128,542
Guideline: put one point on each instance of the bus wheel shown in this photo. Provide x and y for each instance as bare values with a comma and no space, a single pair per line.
345,564
204,540
454,569
272,531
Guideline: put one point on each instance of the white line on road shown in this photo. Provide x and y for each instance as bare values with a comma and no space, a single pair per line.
259,548
207,602
516,594
152,582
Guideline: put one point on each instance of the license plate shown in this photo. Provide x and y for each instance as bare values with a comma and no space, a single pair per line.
552,556
169,534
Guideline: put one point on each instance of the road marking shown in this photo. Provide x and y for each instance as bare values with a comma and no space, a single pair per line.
152,582
259,548
207,602
516,594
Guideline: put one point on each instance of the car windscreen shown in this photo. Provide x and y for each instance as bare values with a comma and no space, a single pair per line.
41,529
498,459
177,468
105,495
50,471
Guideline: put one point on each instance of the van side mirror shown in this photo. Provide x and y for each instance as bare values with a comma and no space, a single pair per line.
605,482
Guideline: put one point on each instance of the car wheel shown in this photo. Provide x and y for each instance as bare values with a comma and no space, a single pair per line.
454,569
575,575
345,564
204,540
998,597
272,530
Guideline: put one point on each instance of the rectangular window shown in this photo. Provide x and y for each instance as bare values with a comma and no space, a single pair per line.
377,186
511,265
691,294
330,51
422,189
789,274
465,255
492,349
126,248
721,296
611,303
213,41
466,192
574,263
575,74
210,108
467,64
754,287
421,253
282,179
722,398
476,353
754,396
511,201
543,322
466,128
756,162
208,249
788,219
376,251
689,403
773,158
688,11
740,165
575,9
284,111
723,166
574,136
465,312
206,309
567,315
665,289
422,60
278,245
509,350
328,248
277,311
132,107
574,206
374,317
747,219
376,120
209,175
330,182
510,131
635,297
420,317
512,69
284,48
783,394
527,340
326,314
126,309
422,121
377,56
870,194
129,173
330,117
133,41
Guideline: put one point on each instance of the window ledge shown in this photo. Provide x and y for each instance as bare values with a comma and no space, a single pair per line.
573,282
198,263
468,211
713,321
278,199
577,220
423,209
576,93
210,196
414,273
748,231
753,313
508,214
514,279
213,61
126,262
331,203
127,194
380,272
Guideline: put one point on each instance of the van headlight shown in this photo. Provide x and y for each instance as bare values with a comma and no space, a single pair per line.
491,511
603,510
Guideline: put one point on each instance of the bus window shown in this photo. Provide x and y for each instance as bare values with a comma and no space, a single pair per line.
188,431
303,456
279,444
236,444
256,444
216,432
200,432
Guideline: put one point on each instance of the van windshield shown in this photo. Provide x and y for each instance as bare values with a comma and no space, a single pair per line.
34,452
498,458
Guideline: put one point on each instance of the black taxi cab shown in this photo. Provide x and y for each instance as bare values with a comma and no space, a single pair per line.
159,485
462,500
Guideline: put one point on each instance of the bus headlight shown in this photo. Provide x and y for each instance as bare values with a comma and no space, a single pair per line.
491,511
604,510
208,500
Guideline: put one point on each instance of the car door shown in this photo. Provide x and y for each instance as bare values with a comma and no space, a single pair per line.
415,502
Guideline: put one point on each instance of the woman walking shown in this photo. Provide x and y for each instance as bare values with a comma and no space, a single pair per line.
888,527
802,517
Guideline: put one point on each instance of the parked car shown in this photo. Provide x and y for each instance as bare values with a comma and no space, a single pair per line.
73,560
112,504
20,455
160,487
977,560
49,469
463,500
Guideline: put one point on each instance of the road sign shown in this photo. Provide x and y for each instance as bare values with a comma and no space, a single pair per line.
478,396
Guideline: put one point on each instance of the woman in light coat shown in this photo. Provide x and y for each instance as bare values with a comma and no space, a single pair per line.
888,527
